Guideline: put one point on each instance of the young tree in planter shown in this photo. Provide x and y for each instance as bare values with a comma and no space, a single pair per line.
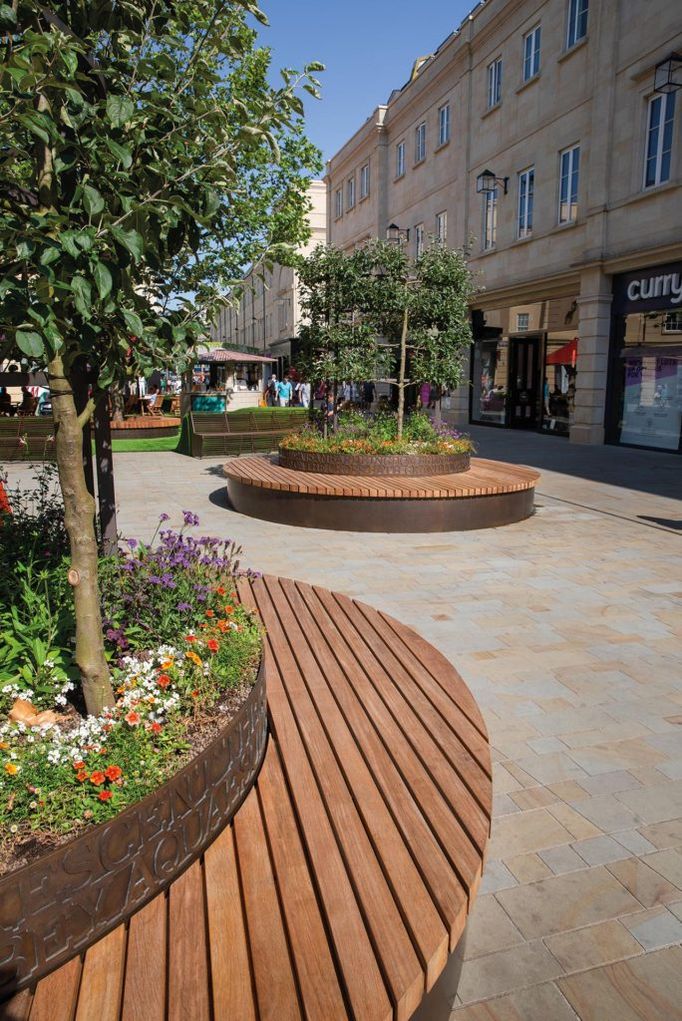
144,157
421,308
338,337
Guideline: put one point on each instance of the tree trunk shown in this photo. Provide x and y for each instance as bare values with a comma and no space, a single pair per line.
79,517
401,375
117,402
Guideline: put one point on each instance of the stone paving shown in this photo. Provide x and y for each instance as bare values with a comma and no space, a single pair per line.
568,629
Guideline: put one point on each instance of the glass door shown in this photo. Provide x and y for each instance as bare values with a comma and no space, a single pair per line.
524,382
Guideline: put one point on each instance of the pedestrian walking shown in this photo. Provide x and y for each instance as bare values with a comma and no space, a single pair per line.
284,392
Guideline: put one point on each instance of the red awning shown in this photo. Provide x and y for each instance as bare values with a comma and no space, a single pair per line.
219,354
566,355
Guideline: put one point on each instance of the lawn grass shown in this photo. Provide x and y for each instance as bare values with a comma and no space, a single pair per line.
151,445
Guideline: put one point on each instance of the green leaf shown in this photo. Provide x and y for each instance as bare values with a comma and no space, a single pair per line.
82,295
68,242
133,322
8,18
70,58
120,152
131,240
35,124
92,200
120,109
30,343
103,279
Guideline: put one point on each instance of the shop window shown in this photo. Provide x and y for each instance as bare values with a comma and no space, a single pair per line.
489,232
531,54
525,211
569,173
659,139
577,22
494,73
489,396
650,381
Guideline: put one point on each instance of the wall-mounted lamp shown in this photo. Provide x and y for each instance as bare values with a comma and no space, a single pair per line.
397,235
668,74
487,182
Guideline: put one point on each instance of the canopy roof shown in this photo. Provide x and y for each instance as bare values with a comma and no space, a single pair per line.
219,354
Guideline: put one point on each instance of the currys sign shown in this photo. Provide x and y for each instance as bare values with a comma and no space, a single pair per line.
655,289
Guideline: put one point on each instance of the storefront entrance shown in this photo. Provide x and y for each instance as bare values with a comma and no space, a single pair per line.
524,382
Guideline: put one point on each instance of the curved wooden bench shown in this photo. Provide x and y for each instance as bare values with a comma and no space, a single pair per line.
489,494
346,877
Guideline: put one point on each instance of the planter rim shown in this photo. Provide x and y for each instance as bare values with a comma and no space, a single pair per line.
60,904
338,463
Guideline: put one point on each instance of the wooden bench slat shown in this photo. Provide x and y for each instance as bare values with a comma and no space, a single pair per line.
233,991
451,832
56,995
188,980
318,981
337,662
144,991
99,996
390,879
354,951
17,1009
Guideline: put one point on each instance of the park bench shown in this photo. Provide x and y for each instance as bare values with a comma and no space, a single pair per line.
27,438
345,879
236,431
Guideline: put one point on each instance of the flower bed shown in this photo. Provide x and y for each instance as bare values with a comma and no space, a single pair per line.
183,655
341,463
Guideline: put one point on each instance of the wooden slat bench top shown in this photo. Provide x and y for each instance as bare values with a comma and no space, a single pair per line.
347,874
484,478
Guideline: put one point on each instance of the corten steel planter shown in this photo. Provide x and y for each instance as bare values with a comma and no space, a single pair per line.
60,904
374,464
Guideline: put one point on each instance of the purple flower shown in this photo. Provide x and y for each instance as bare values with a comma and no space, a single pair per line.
190,519
183,607
128,565
164,517
132,543
154,580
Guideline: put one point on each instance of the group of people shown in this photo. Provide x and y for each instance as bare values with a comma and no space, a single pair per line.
285,393
31,400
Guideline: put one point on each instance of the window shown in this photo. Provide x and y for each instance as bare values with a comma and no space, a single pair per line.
569,171
364,181
444,124
522,321
672,322
577,22
531,54
420,142
400,159
419,239
442,227
526,187
659,139
338,203
489,231
350,193
494,82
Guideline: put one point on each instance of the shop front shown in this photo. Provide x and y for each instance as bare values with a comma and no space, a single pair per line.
525,365
644,407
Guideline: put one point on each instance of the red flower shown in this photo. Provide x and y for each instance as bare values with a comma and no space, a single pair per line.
81,776
79,765
113,772
105,795
97,778
212,645
220,591
132,718
195,694
155,728
163,680
210,613
190,638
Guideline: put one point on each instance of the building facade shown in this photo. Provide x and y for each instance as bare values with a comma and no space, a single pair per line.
576,242
267,317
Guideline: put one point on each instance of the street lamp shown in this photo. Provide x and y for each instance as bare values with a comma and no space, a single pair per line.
396,235
668,74
488,182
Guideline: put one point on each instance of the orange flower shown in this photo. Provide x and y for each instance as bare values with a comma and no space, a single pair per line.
4,744
81,776
194,658
113,772
195,694
229,608
212,645
11,768
155,728
222,626
163,680
105,795
132,718
97,778
210,613
79,765
220,591
190,638
166,664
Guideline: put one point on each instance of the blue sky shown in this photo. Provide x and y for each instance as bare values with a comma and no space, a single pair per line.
367,46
